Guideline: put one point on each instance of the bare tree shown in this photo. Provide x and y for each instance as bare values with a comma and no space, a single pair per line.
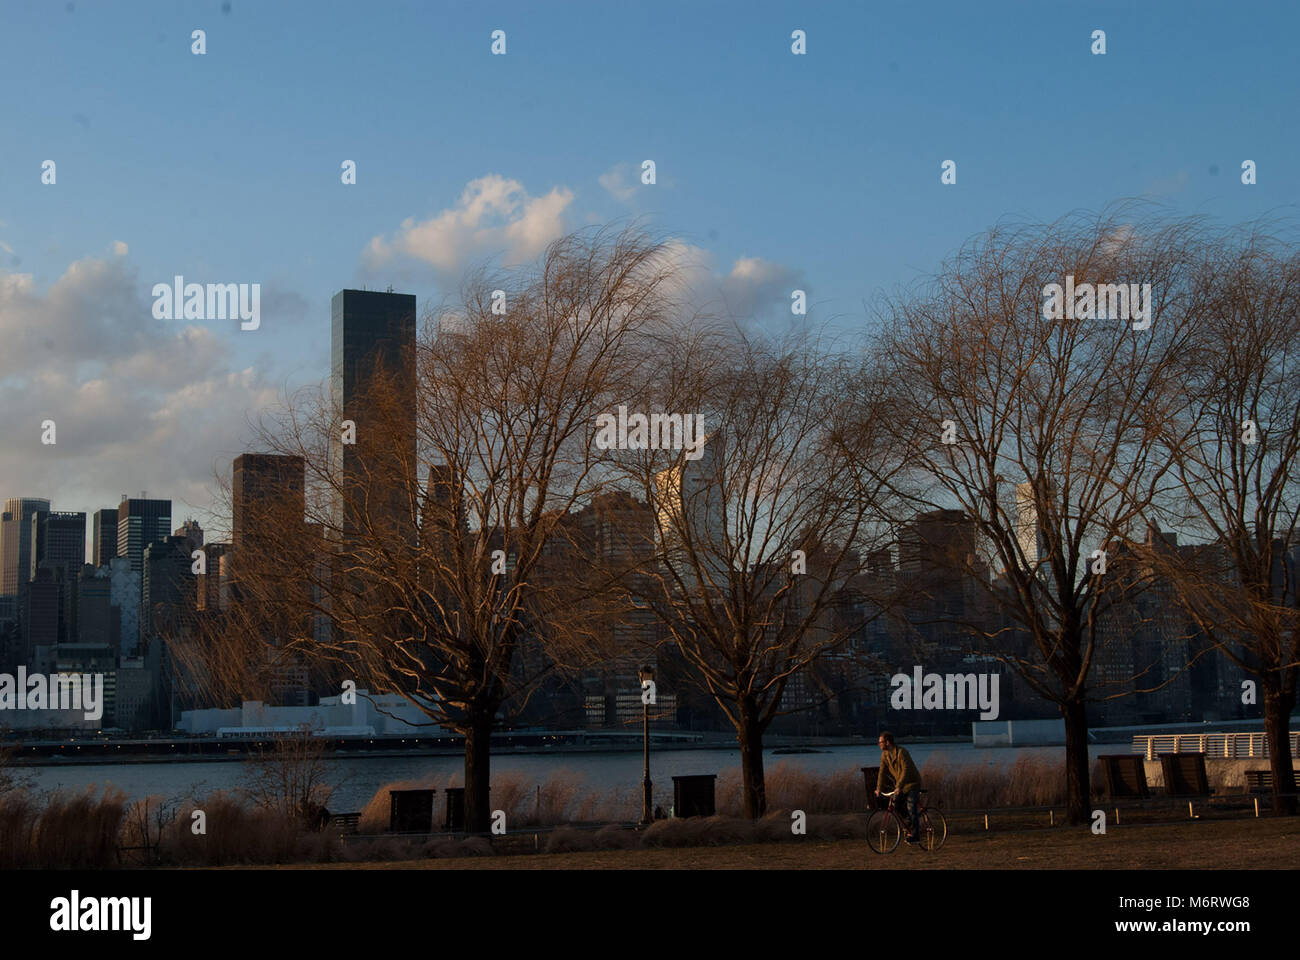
762,518
289,775
1236,453
435,550
1042,430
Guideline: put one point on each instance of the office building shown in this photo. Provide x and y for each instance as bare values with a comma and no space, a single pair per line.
16,546
103,528
141,522
192,533
373,385
267,490
167,588
58,541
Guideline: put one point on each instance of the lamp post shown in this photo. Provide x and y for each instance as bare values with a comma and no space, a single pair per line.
647,677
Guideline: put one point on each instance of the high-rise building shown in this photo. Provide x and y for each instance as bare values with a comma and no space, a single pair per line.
167,587
88,608
103,536
373,384
937,544
192,533
58,541
40,616
124,597
1029,526
442,524
16,545
267,489
209,594
692,509
141,522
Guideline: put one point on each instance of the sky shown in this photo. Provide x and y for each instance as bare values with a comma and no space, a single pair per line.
774,172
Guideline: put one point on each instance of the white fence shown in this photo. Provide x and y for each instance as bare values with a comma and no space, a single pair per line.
1225,745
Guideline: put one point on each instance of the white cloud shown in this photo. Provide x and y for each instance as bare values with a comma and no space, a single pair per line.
615,182
139,403
493,216
752,290
119,248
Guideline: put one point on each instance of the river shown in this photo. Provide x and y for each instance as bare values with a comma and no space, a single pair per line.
355,779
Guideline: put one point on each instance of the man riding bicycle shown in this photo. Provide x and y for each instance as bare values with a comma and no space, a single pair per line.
906,779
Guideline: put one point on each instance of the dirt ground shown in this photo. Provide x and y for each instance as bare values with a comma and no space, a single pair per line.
1203,844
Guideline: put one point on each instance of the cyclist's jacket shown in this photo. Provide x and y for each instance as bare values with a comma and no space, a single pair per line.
902,771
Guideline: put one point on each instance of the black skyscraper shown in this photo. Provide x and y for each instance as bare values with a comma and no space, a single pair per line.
58,541
103,536
373,368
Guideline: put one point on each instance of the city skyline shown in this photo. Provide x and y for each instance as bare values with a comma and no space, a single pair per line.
126,389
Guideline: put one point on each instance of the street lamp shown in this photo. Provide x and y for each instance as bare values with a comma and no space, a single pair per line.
647,676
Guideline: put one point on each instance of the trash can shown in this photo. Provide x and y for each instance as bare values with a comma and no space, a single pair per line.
693,796
455,819
410,811
870,775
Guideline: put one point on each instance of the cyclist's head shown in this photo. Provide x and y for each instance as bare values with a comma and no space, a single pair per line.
886,740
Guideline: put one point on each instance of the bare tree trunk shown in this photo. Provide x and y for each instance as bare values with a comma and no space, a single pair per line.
478,767
1078,790
750,735
1278,705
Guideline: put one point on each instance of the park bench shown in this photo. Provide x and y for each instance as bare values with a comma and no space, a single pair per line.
1185,775
1125,775
342,824
1261,781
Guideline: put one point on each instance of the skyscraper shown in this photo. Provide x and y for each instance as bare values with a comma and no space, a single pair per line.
266,489
58,540
103,546
1029,525
691,501
934,546
167,588
193,534
16,544
373,383
139,523
268,527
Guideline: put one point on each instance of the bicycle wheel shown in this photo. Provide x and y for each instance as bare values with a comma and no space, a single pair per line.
884,830
934,830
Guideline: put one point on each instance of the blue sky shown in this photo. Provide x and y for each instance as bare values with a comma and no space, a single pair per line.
819,171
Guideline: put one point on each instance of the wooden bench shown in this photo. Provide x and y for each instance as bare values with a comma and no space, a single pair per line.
1185,774
342,824
1261,781
1125,775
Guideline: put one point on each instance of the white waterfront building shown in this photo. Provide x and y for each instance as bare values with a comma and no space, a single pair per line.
388,714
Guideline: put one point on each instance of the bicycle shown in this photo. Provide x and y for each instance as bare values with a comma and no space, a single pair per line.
885,827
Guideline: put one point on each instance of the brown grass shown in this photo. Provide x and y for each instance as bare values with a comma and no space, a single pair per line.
65,830
90,829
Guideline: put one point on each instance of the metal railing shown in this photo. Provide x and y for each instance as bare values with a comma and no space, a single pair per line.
1231,746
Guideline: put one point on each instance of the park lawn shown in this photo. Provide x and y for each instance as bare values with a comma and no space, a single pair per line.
1268,843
